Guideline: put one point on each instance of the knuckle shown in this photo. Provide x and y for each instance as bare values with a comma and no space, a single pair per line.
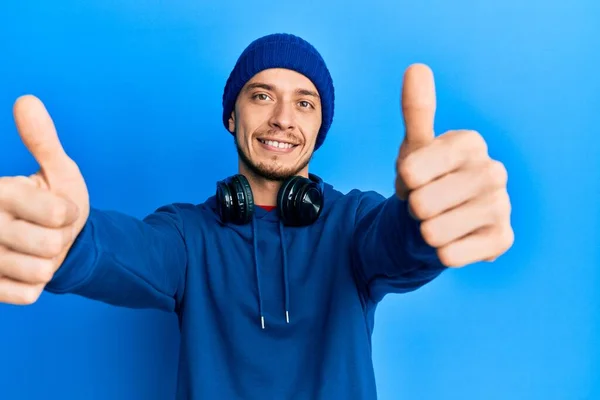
21,179
430,234
44,271
408,172
57,214
501,207
51,244
12,186
507,237
13,191
7,180
472,134
29,295
446,256
497,174
418,205
477,140
32,294
7,188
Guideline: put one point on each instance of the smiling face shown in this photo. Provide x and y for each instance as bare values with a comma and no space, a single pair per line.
276,120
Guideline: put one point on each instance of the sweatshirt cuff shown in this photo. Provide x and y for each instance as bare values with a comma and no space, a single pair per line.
79,263
415,245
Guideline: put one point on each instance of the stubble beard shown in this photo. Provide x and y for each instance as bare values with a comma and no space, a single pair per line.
269,172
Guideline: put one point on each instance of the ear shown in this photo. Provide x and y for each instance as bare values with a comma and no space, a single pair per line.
232,122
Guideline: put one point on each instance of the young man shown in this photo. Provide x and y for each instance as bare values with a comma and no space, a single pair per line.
275,279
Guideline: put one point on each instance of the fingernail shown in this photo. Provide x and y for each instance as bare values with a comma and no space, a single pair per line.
410,211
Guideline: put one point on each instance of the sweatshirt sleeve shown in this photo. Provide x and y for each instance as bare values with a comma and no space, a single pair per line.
390,255
125,261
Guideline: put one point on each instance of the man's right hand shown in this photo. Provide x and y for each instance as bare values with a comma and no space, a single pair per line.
40,215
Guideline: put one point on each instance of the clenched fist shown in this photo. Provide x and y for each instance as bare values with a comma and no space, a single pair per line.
40,215
452,185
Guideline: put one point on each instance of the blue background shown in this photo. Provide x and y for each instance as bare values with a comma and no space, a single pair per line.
135,90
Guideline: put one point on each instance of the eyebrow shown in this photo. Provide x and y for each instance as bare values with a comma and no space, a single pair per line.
306,92
260,85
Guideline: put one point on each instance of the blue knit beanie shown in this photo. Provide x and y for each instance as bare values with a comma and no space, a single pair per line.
288,51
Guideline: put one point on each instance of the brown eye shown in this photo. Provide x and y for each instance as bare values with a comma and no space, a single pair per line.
261,96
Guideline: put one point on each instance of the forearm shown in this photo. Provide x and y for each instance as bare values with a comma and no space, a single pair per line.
390,253
125,261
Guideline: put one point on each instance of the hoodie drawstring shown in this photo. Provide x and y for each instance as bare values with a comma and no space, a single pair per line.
257,270
285,274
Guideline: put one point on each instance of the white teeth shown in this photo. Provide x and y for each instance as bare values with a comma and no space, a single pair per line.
279,145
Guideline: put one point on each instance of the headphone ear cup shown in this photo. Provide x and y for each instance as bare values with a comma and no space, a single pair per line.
285,200
225,202
243,199
235,201
300,201
309,202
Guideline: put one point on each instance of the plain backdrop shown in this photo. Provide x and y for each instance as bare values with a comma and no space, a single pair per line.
135,90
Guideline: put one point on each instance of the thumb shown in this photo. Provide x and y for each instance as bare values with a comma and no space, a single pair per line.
38,134
418,105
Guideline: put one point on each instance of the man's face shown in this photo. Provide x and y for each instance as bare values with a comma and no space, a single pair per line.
276,120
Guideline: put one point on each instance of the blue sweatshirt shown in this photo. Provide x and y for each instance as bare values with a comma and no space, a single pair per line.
265,311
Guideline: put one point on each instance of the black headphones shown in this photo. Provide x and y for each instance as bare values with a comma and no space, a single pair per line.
299,200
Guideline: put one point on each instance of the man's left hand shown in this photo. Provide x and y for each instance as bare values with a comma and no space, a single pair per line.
452,185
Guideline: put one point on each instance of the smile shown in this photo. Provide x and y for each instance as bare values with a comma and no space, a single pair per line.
277,145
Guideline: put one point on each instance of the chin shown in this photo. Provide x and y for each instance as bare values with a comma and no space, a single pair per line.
273,171
274,164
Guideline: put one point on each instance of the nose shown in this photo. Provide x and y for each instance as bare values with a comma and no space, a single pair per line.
282,117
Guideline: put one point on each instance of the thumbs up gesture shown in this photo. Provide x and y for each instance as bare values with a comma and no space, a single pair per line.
40,215
450,182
